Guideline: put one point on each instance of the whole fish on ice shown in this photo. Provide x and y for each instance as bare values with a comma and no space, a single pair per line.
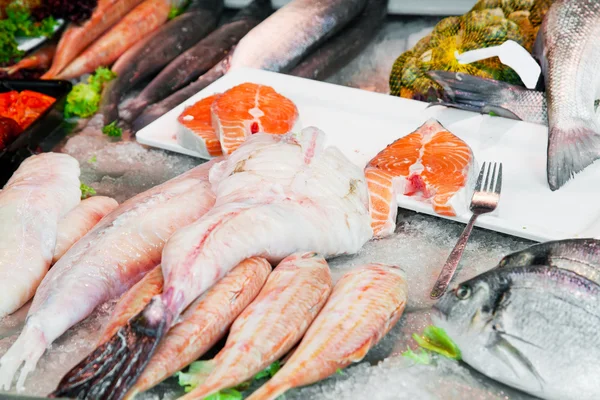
271,325
276,195
106,262
365,304
569,51
534,328
41,191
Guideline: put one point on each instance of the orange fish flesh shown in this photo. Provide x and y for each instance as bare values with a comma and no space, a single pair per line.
431,163
249,108
365,304
196,131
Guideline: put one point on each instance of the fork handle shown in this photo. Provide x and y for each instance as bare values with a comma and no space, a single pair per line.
452,262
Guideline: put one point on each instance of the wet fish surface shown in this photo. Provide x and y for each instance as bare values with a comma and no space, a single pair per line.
487,96
569,52
345,45
534,328
581,256
198,59
280,41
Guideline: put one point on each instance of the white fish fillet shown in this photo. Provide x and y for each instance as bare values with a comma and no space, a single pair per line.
80,221
37,196
106,262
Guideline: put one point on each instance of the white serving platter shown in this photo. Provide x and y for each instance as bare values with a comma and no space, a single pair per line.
361,123
26,44
397,7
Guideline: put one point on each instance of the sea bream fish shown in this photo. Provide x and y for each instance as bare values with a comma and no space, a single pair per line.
365,304
276,195
534,328
106,262
569,52
41,191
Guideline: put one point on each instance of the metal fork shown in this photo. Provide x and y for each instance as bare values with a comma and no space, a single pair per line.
485,199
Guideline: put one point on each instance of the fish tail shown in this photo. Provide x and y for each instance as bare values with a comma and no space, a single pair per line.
270,391
113,368
26,352
572,147
471,93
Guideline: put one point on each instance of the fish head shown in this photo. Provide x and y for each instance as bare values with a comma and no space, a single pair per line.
478,316
464,313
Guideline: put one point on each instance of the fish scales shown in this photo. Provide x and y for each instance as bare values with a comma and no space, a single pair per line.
533,328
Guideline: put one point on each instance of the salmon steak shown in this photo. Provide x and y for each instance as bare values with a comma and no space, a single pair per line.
430,164
248,109
196,131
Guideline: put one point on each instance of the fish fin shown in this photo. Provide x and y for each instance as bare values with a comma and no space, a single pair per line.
509,354
476,94
112,368
571,150
358,354
25,352
539,53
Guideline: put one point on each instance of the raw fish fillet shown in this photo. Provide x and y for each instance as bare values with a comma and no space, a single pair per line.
41,191
430,162
276,195
106,262
80,221
248,109
275,321
196,131
365,304
204,322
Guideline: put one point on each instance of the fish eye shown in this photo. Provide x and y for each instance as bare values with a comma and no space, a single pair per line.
463,292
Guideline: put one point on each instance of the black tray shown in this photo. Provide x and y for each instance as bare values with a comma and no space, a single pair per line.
28,142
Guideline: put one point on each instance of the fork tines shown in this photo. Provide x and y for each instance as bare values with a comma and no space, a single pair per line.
493,178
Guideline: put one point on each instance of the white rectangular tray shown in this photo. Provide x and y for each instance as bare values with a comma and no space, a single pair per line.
398,7
361,123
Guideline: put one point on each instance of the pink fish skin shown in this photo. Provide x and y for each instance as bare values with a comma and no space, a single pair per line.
80,221
365,304
204,322
290,300
105,263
